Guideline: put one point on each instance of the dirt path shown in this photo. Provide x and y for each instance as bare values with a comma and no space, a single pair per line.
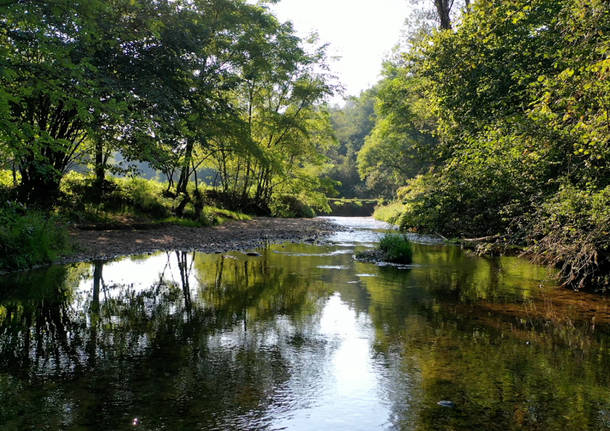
234,235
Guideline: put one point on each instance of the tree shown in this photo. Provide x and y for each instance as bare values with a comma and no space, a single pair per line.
402,144
443,10
520,90
51,88
279,100
351,123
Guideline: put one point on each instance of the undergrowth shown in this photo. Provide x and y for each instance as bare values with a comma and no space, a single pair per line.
389,213
29,238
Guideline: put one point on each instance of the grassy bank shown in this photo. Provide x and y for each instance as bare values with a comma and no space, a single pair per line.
30,237
389,213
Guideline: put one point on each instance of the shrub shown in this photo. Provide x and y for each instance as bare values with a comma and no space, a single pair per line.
120,195
571,231
229,201
396,248
389,213
291,207
29,238
145,196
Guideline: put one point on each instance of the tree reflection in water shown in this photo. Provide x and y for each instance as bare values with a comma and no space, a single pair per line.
178,351
191,341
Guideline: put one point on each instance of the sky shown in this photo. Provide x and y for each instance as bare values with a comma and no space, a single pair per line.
361,32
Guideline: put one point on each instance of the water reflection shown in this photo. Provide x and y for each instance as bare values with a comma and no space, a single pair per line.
301,337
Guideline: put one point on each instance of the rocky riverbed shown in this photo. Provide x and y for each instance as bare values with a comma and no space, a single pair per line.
234,235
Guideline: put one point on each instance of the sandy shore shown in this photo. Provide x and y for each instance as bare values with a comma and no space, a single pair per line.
234,235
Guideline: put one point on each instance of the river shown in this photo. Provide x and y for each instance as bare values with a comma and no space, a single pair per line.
302,337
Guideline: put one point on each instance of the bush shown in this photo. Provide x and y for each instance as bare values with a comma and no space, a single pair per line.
249,205
290,207
139,195
389,213
29,238
145,196
571,231
396,248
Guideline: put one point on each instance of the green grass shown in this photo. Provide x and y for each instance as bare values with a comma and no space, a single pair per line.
396,248
389,213
220,215
136,201
211,216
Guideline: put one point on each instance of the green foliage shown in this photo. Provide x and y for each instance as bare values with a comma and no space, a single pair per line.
139,201
183,85
29,238
516,100
572,231
6,178
136,195
290,207
351,124
389,213
396,248
401,144
220,215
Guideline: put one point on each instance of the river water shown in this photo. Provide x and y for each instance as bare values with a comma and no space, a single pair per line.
302,337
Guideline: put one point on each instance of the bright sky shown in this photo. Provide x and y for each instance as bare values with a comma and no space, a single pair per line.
361,32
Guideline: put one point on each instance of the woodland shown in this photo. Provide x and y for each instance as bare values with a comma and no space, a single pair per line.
490,125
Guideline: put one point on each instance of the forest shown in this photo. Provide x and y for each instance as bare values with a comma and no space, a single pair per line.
494,126
490,125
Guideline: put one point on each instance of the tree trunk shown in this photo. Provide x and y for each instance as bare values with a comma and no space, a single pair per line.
100,170
185,171
443,9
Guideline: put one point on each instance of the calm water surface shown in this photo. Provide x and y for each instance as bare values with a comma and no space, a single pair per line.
302,337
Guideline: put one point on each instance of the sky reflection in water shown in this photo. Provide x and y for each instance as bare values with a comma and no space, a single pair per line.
303,337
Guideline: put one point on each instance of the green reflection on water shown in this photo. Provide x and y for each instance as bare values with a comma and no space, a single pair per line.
194,341
477,336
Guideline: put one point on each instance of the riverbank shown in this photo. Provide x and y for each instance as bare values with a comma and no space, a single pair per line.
232,235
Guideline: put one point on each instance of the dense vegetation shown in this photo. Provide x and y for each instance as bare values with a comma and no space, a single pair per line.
396,248
218,97
498,127
491,120
352,123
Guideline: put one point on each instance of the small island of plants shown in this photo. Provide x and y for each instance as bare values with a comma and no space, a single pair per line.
393,248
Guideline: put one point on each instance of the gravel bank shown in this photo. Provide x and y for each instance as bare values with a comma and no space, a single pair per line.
234,235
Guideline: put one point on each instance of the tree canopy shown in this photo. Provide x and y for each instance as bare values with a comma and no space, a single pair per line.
179,84
515,99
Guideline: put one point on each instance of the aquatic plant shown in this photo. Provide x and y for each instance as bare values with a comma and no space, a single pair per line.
396,248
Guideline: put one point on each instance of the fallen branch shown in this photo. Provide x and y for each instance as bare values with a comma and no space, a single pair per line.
483,238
